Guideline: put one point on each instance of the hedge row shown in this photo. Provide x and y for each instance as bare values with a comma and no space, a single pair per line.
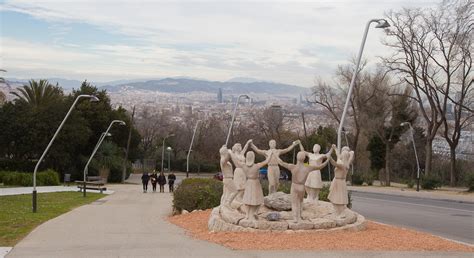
12,178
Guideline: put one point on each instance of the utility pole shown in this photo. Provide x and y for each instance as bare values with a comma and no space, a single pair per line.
124,171
305,133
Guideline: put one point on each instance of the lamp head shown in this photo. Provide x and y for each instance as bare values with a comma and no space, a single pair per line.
93,98
168,149
108,135
403,124
382,23
122,123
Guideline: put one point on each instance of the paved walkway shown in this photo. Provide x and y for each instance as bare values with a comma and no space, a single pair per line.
130,223
43,189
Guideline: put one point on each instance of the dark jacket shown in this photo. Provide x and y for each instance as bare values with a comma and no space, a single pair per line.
145,178
154,179
171,179
161,179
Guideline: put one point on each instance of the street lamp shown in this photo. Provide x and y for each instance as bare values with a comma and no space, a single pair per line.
92,99
163,151
169,158
101,139
190,148
416,154
381,23
233,116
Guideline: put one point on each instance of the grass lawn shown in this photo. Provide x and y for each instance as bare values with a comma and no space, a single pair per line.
17,219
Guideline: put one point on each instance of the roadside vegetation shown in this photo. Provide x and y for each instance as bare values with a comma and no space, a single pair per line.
17,220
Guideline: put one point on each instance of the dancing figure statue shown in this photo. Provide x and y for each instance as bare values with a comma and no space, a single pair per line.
299,174
338,189
314,183
253,194
229,189
239,175
273,173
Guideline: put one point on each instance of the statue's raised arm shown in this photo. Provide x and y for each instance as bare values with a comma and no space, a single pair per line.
257,150
283,151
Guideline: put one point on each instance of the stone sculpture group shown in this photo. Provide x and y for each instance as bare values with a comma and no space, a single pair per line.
242,202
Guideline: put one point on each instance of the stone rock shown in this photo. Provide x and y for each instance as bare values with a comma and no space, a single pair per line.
184,212
278,201
321,223
273,216
301,225
272,225
230,215
248,223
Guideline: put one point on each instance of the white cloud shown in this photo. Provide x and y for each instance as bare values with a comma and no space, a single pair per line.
286,41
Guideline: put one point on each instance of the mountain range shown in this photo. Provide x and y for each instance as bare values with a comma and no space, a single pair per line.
238,85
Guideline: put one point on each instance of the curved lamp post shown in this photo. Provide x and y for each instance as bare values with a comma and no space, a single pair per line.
169,158
190,148
93,99
101,139
233,116
416,154
381,23
163,151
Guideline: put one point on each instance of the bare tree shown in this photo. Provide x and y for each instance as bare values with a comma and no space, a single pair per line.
426,57
332,97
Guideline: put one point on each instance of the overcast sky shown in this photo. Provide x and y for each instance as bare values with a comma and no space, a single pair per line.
286,41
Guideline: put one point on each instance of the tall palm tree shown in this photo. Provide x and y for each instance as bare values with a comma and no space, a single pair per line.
39,93
107,157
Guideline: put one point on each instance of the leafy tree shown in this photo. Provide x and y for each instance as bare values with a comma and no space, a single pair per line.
39,93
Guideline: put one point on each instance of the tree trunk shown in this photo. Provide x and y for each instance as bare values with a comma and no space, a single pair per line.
452,170
429,156
387,164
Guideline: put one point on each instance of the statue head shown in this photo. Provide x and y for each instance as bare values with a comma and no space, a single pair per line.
237,148
301,156
224,152
250,158
316,148
345,154
272,144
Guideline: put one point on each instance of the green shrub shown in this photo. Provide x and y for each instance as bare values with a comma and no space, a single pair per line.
284,186
323,193
470,181
369,179
357,179
410,183
2,174
197,194
48,177
430,182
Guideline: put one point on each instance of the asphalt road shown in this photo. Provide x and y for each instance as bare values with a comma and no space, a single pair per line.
448,219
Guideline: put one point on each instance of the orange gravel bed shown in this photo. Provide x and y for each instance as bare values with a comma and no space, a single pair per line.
377,237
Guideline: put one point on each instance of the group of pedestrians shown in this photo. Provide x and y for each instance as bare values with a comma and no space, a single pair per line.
158,179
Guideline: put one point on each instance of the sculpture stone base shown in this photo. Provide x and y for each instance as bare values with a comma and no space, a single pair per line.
319,216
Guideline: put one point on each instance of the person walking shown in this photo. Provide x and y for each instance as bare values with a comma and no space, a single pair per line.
171,179
162,182
154,180
145,179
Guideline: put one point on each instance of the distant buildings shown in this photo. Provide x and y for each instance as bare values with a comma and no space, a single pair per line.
219,96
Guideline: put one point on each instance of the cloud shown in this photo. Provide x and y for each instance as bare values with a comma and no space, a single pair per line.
285,41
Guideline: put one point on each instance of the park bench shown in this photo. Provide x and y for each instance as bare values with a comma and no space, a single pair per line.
92,183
